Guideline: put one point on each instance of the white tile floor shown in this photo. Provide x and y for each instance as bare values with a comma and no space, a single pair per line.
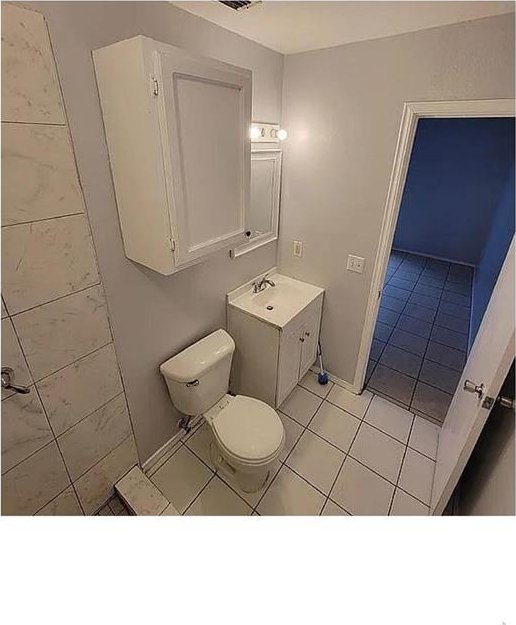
344,455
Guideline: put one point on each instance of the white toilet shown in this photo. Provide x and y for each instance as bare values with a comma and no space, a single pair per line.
249,434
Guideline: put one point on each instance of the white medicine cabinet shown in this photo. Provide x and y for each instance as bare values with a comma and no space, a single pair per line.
177,130
265,199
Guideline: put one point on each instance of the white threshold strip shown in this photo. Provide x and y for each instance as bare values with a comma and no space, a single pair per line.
141,496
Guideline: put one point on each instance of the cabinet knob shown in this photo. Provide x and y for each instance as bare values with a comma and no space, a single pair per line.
307,333
302,340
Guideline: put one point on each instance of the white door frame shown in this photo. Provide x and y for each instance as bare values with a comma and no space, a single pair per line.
412,113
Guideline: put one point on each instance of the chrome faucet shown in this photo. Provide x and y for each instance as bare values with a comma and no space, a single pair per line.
261,284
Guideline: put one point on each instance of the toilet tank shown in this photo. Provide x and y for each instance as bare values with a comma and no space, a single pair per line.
198,376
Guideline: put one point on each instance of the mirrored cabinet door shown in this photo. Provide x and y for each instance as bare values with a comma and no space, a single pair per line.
264,207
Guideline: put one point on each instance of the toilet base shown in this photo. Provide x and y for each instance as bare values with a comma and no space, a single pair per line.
247,481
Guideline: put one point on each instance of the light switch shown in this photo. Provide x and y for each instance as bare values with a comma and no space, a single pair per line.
298,248
356,263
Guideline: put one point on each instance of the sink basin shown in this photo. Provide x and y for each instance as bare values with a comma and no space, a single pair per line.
276,295
277,304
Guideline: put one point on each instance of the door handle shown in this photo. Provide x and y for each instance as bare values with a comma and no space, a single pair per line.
7,382
506,402
471,387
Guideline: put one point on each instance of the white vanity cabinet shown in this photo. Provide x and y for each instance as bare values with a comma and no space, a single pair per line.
274,349
297,349
177,131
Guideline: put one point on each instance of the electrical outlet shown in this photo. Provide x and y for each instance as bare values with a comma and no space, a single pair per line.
298,248
356,263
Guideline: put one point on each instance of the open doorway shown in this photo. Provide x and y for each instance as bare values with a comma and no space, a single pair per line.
447,245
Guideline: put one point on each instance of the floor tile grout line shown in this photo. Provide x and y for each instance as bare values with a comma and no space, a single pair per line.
429,339
221,477
378,429
212,477
401,465
162,461
305,425
305,428
426,350
436,341
346,456
347,411
255,509
418,451
197,456
371,469
387,397
326,440
436,310
304,478
284,462
227,482
336,504
307,389
413,497
155,486
412,378
421,413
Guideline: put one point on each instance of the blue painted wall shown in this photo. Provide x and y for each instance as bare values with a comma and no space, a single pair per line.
495,250
455,179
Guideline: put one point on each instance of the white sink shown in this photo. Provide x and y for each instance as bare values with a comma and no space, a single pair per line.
277,304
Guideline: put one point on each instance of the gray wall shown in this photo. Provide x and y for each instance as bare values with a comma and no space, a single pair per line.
152,316
342,108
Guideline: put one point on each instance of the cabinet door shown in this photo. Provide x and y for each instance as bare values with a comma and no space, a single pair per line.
310,337
205,112
288,369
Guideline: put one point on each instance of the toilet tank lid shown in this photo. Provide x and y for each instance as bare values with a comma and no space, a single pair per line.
194,361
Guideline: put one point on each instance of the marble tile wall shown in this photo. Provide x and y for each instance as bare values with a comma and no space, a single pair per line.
67,442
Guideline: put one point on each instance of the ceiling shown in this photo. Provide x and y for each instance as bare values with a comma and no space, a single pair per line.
290,27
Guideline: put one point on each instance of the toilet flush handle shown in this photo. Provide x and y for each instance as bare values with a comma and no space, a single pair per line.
192,383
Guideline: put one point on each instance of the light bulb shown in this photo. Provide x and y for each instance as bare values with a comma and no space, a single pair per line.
282,134
255,133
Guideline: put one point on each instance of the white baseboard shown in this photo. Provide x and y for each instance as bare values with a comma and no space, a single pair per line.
443,258
162,451
169,446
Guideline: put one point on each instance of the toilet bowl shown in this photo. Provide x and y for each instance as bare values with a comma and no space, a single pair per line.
248,434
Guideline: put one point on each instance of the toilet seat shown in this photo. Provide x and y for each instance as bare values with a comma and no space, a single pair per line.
249,430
